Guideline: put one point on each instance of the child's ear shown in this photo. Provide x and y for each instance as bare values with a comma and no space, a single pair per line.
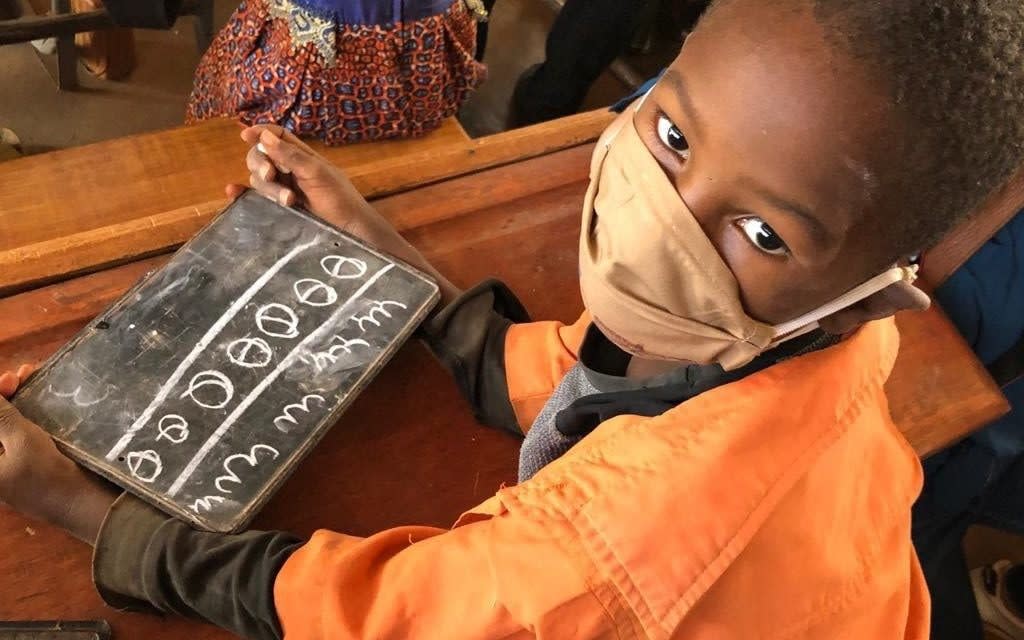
896,297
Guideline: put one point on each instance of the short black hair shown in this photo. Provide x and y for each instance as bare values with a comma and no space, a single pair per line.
954,71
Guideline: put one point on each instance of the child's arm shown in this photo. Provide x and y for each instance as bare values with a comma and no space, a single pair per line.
478,580
481,580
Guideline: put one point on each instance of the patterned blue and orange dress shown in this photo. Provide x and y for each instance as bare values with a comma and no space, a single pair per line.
342,71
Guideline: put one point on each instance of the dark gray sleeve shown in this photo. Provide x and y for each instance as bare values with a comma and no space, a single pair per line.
148,561
468,337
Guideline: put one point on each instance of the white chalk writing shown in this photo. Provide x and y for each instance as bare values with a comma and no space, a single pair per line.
314,293
343,267
378,309
145,465
250,458
300,349
206,503
322,359
286,420
251,353
174,428
214,379
277,320
200,346
77,396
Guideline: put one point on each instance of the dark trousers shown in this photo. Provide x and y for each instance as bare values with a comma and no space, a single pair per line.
586,37
965,485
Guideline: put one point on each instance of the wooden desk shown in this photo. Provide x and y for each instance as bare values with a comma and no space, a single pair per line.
77,210
424,460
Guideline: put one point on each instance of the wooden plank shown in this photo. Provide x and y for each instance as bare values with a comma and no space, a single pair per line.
940,262
58,194
53,260
939,392
168,195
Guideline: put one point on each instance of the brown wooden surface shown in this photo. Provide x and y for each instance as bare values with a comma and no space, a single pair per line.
77,210
423,459
940,263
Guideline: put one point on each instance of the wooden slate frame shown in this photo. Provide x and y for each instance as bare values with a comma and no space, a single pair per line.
114,472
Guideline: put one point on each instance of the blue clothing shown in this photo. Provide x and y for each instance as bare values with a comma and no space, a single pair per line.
985,300
979,480
370,12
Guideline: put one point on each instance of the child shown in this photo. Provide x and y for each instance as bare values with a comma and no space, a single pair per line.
342,71
697,462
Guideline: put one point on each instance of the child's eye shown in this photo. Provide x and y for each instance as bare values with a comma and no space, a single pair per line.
672,137
762,236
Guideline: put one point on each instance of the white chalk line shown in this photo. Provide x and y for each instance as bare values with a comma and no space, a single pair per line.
327,326
204,342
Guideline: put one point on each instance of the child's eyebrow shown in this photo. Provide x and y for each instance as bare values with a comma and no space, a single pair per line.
818,229
678,85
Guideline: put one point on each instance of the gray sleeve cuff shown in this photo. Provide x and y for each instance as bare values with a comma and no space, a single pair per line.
147,561
129,526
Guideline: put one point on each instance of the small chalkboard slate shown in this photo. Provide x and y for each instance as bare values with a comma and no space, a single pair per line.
204,386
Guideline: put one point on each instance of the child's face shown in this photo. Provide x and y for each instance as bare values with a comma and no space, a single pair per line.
785,170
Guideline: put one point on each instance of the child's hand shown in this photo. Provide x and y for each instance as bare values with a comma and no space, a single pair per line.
11,380
285,169
38,480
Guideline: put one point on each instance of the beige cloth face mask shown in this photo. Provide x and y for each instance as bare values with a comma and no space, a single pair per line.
654,282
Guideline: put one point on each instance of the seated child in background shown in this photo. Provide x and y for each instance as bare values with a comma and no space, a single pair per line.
699,460
341,70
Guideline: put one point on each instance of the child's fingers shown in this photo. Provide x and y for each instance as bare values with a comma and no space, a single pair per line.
234,190
291,138
276,192
252,135
259,165
24,371
8,384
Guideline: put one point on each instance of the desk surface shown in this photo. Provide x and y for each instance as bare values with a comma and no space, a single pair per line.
424,460
77,210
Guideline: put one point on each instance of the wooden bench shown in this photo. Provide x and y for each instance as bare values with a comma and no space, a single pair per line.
422,460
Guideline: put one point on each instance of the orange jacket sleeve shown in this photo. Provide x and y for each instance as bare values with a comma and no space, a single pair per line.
504,365
537,356
475,581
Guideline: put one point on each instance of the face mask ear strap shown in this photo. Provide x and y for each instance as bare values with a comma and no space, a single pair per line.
808,321
643,98
607,140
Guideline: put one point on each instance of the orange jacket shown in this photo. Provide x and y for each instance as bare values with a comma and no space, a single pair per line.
774,507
